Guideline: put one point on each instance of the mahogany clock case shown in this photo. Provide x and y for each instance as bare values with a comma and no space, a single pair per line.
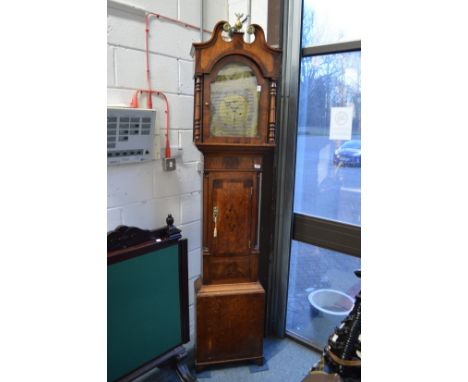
235,131
213,55
229,324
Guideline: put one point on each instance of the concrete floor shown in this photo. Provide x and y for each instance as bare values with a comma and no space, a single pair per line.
285,361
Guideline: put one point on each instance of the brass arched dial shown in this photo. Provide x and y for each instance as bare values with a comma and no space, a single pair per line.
234,110
234,102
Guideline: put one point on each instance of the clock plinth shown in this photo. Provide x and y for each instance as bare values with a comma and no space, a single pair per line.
234,128
232,329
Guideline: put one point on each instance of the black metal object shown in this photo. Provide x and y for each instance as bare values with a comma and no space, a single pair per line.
171,231
184,297
125,237
174,358
342,355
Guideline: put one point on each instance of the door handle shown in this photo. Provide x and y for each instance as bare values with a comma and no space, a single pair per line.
215,219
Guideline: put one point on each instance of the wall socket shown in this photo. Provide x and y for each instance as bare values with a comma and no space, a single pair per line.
169,164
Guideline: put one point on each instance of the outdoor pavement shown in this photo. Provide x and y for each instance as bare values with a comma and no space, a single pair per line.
317,268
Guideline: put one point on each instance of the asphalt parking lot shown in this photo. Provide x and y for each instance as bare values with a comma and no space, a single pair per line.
323,189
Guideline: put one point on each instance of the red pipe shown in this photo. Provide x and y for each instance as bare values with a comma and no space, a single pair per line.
148,76
168,147
134,101
176,21
148,15
134,104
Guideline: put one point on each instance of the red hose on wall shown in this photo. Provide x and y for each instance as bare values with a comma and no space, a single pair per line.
149,91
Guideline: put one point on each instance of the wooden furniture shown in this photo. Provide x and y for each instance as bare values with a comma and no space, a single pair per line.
147,302
234,128
322,377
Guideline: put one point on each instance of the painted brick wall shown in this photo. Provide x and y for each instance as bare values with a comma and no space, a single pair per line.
143,194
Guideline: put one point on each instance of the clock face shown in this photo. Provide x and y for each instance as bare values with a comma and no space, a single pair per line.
234,110
234,102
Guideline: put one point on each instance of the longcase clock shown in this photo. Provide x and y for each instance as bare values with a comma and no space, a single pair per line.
234,128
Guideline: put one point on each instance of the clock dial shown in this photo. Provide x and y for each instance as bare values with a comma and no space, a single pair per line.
234,110
234,102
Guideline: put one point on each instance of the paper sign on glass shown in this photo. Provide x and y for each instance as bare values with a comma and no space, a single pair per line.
341,123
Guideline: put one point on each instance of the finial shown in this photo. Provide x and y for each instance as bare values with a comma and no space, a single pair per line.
171,230
238,24
237,27
169,221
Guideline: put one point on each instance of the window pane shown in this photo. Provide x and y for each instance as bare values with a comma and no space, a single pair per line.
330,21
328,161
322,290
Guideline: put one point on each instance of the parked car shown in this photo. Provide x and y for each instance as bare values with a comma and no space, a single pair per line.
348,154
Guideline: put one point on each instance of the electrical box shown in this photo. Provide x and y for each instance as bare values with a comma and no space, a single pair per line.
131,135
169,164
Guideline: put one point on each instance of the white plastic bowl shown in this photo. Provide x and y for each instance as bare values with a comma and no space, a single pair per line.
331,301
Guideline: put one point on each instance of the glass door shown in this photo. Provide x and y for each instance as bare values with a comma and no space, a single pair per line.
326,198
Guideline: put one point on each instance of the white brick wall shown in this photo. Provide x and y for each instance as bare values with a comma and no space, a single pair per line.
194,259
152,213
186,77
143,194
189,11
131,70
214,11
190,207
259,15
110,66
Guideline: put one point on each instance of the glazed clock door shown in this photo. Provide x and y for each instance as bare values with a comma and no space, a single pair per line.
233,114
232,213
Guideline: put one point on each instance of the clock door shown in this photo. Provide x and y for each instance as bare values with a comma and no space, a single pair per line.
231,228
235,89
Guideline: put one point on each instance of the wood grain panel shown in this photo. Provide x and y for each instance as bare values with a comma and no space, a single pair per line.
230,269
268,58
232,322
230,162
233,195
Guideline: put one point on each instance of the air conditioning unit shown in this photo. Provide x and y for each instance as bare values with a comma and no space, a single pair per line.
131,135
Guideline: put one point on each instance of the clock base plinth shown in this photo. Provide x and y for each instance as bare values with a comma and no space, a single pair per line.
229,324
